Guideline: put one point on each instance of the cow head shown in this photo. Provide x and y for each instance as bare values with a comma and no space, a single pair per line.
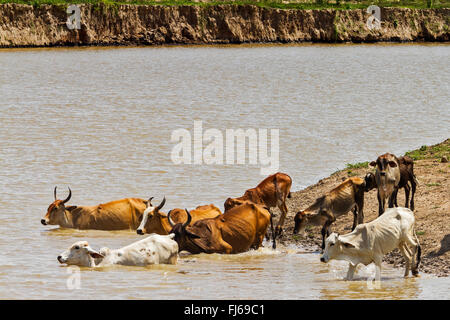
151,218
182,235
56,212
300,220
335,248
80,254
231,203
387,170
370,182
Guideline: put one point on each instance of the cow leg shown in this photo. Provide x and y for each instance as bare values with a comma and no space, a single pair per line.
274,244
377,269
284,210
407,188
381,203
392,198
350,272
355,217
406,255
413,185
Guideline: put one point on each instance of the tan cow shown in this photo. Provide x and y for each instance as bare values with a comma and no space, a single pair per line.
155,221
237,230
116,215
271,192
337,202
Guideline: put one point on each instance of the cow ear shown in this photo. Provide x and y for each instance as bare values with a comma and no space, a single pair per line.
392,164
94,254
373,164
348,245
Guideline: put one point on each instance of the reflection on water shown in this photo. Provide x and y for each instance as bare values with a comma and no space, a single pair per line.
100,121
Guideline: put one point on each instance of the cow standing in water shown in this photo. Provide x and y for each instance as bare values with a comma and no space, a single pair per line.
116,215
369,242
271,192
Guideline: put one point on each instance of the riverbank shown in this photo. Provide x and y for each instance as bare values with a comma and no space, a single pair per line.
432,208
42,25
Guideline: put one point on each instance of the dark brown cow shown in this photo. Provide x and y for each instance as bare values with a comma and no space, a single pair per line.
116,215
155,221
271,192
237,230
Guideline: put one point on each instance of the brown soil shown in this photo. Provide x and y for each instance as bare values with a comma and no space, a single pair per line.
45,25
432,212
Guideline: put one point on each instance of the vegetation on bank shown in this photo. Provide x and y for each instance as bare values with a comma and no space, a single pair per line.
431,152
424,152
280,4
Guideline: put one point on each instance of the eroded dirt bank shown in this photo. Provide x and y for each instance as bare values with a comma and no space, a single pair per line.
45,25
432,209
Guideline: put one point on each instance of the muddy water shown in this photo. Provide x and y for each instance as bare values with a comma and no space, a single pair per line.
101,120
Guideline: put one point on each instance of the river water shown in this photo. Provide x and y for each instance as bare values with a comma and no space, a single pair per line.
105,122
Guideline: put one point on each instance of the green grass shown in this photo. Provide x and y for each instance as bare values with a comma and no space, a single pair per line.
420,233
359,165
335,4
431,152
432,184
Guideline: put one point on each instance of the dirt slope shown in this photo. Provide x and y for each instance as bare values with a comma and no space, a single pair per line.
432,209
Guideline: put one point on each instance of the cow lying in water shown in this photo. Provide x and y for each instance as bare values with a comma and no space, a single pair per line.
155,221
115,215
369,242
337,202
235,231
155,249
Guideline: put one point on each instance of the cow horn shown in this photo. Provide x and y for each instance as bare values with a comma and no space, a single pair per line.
148,202
54,193
188,219
68,197
161,204
170,220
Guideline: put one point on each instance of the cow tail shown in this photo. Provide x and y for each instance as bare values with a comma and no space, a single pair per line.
419,250
415,179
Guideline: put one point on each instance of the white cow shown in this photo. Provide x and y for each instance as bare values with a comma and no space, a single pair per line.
369,242
154,249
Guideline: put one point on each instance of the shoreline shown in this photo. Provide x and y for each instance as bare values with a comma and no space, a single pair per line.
432,209
26,26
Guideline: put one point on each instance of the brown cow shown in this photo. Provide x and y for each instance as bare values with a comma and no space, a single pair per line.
387,177
337,202
271,192
116,215
406,175
406,165
237,230
155,221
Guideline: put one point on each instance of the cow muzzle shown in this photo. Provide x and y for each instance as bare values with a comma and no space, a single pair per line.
44,222
139,231
323,259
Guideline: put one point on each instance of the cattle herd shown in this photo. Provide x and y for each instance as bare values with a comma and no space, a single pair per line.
246,220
